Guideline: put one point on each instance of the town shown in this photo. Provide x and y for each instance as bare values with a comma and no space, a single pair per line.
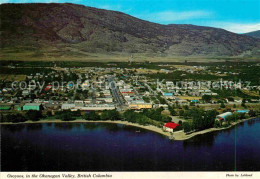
166,95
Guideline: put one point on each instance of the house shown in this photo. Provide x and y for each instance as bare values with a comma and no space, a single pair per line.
223,116
170,126
32,106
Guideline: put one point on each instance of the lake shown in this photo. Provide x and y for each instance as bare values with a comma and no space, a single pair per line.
114,147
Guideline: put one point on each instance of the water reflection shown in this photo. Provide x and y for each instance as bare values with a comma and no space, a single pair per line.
253,121
49,124
14,128
90,126
77,125
200,140
241,124
63,126
34,127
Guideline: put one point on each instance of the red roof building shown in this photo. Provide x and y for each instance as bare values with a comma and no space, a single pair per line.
169,126
47,88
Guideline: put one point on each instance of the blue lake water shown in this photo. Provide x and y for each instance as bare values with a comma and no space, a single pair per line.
114,147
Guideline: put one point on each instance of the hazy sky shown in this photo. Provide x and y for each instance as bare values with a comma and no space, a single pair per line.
238,16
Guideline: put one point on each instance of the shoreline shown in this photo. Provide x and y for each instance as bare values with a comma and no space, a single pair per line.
148,127
178,135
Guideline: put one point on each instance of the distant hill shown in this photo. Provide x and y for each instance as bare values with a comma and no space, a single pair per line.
58,30
253,34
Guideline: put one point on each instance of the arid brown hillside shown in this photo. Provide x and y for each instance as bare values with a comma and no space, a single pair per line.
69,29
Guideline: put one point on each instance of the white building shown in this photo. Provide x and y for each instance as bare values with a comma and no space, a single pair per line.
67,106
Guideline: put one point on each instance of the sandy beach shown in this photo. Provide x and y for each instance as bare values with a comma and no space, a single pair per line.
178,135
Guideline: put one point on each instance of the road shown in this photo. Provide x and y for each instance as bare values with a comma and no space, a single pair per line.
115,92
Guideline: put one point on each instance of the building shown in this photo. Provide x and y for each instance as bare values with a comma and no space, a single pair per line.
107,99
170,126
32,106
242,111
67,106
127,92
168,95
85,85
5,107
195,101
165,106
223,116
48,87
95,107
25,92
140,106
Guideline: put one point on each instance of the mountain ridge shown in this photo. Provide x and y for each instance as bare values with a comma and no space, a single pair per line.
255,34
69,29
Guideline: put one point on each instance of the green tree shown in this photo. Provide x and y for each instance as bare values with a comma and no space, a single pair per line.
187,127
110,115
92,116
181,113
66,116
243,104
172,111
130,115
186,107
49,113
217,124
222,105
13,118
33,115
143,120
206,98
209,119
252,113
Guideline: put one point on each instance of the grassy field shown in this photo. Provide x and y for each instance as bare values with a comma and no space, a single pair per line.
10,77
73,54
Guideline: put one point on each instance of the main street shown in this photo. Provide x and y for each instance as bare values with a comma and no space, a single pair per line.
115,92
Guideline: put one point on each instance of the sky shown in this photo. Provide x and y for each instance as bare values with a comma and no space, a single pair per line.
239,16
